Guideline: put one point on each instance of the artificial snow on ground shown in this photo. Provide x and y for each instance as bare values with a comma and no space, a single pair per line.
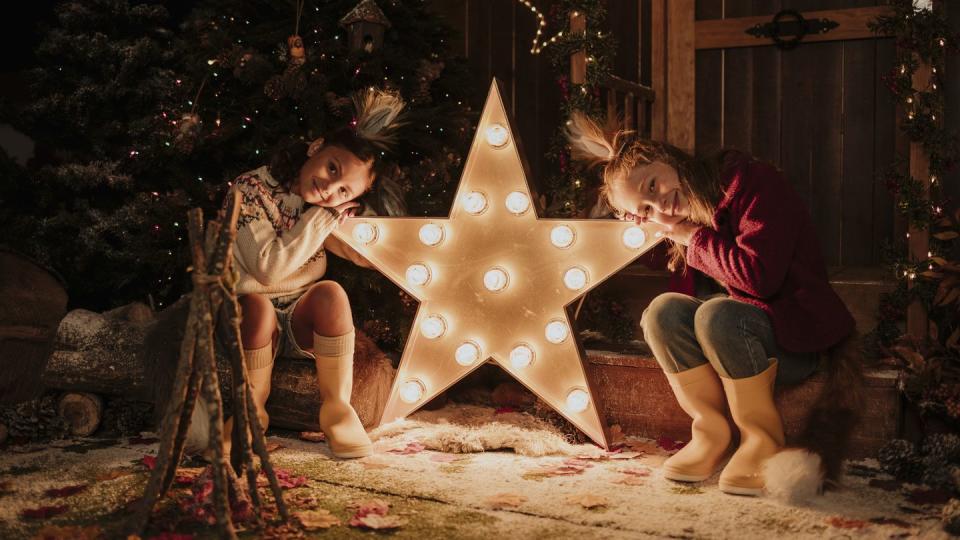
580,492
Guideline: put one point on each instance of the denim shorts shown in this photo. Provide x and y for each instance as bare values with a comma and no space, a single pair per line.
286,342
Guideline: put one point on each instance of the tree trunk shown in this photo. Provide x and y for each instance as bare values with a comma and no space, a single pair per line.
124,353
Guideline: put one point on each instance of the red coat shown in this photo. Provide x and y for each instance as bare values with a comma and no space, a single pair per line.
764,247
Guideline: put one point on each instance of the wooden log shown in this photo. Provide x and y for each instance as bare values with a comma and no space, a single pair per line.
82,412
113,356
32,301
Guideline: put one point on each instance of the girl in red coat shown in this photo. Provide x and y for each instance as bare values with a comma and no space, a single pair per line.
741,223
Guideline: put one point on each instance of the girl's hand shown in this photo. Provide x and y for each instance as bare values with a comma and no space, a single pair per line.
346,210
682,232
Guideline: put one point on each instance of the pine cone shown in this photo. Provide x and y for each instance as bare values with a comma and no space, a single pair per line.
944,446
936,472
899,458
35,420
950,515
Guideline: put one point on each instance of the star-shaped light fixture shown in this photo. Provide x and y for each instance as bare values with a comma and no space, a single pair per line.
494,280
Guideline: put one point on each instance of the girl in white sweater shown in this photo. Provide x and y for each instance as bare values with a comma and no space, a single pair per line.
283,234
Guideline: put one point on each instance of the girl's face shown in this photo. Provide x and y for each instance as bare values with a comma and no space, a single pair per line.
650,191
333,176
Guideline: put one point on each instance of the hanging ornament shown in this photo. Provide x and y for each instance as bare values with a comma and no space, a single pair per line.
297,55
188,127
365,25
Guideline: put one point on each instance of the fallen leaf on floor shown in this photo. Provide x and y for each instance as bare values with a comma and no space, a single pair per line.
636,471
142,440
841,522
890,521
287,480
112,474
378,522
316,519
886,485
929,496
447,458
642,445
302,500
313,436
273,446
625,455
373,465
410,448
43,512
577,462
669,444
149,462
630,480
505,500
588,500
283,531
547,471
68,532
617,437
369,506
65,491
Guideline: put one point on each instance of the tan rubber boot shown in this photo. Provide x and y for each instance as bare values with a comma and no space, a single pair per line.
761,431
259,369
700,395
338,420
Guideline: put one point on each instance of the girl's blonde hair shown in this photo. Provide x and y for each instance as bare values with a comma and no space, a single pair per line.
619,151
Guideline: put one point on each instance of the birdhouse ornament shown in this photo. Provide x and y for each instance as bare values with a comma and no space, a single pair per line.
365,26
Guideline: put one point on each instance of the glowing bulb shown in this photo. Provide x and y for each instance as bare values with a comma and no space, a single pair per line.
467,353
497,135
578,400
557,331
365,233
418,274
411,391
517,202
562,236
475,203
521,356
433,326
431,234
634,237
575,278
495,279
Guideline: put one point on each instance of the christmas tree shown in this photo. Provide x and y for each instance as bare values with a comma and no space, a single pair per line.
145,117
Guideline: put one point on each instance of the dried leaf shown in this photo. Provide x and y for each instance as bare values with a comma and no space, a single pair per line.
505,500
302,500
373,465
313,436
287,480
636,471
552,470
378,522
841,522
149,462
410,448
273,447
68,532
630,480
617,437
370,506
588,500
670,445
65,491
43,512
642,446
625,455
316,519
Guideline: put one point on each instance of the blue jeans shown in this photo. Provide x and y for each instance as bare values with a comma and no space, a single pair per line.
736,338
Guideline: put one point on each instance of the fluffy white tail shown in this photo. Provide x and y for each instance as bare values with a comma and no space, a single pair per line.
794,475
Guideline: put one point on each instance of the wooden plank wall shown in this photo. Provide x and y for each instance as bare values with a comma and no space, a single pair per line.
495,37
820,112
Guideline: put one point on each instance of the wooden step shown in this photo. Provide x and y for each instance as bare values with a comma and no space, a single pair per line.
633,392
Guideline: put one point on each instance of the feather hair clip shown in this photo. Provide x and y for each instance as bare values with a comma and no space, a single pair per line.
378,114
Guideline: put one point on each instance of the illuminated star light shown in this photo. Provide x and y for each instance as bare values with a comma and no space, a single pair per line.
494,281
